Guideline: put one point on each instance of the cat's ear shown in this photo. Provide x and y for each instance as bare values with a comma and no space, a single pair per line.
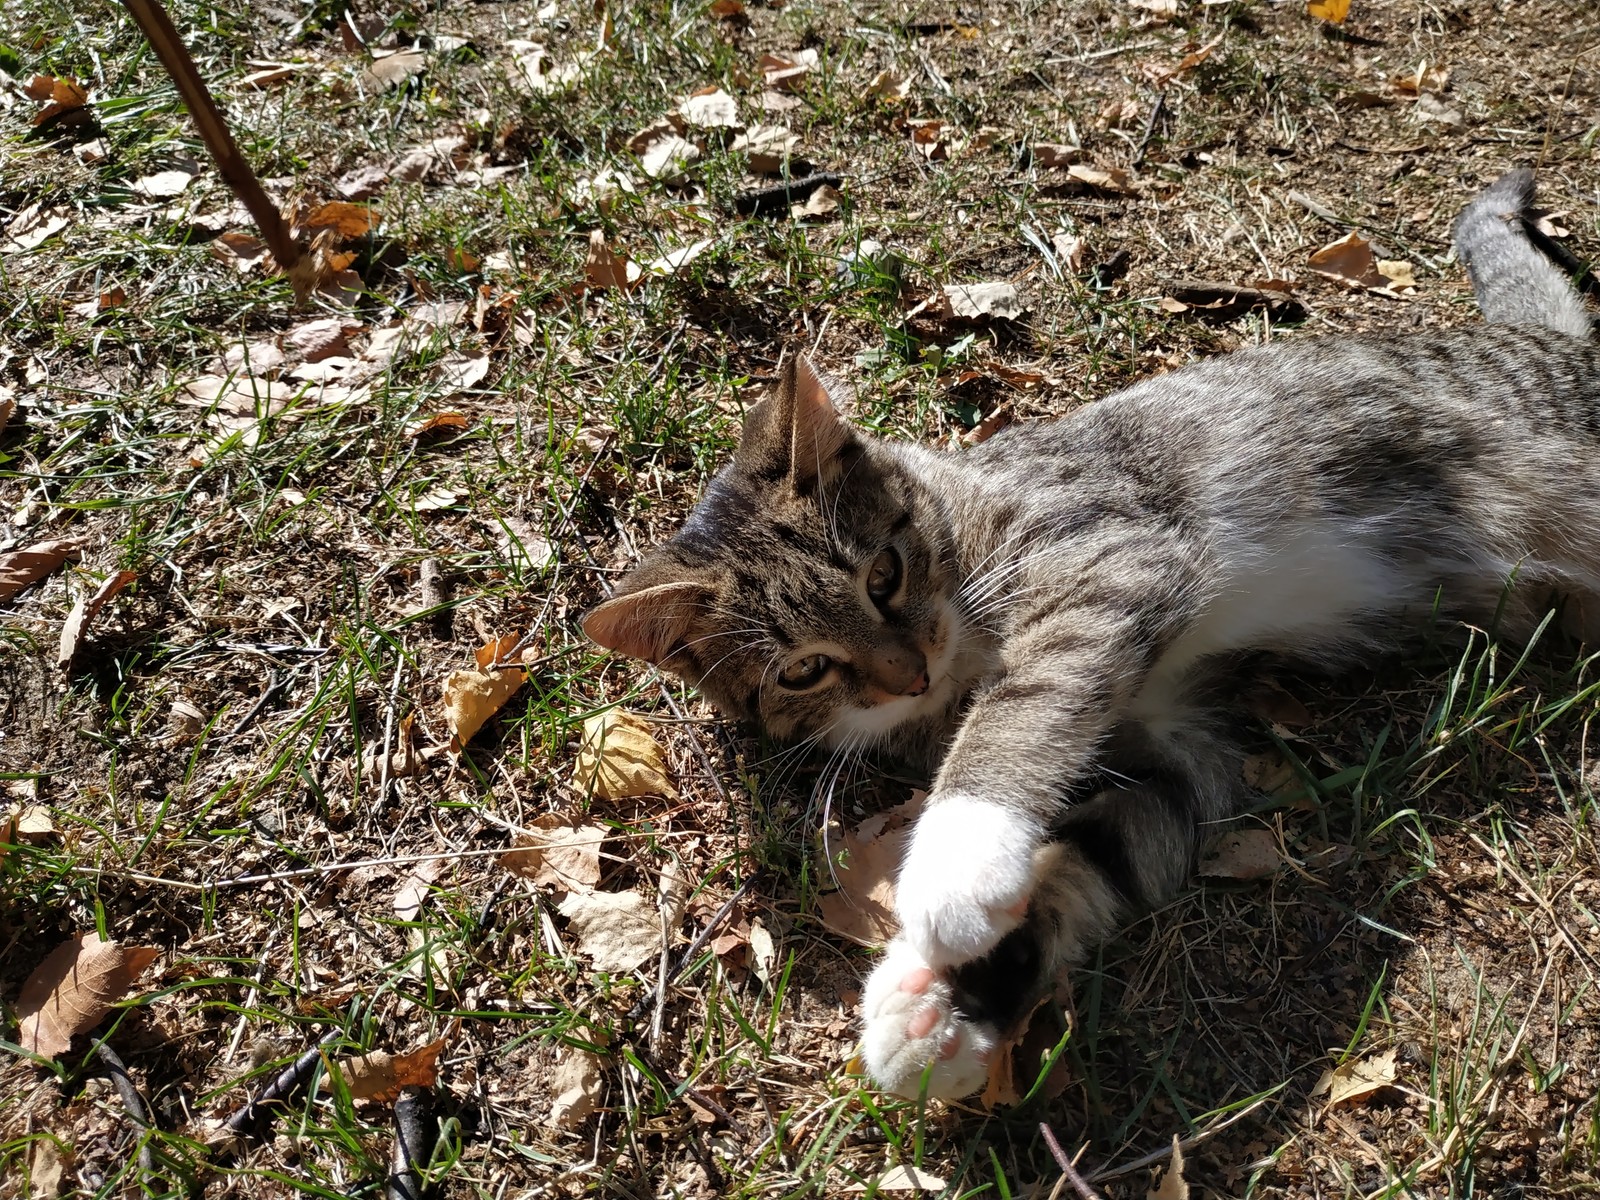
799,430
651,623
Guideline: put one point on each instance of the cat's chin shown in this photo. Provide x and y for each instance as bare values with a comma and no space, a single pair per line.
878,724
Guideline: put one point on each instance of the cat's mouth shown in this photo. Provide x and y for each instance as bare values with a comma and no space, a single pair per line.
884,717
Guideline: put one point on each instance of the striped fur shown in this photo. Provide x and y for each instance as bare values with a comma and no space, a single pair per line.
1073,596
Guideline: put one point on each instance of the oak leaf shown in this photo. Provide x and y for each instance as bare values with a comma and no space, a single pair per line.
74,988
617,930
556,852
619,757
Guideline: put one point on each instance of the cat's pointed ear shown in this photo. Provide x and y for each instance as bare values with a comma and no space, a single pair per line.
651,623
799,430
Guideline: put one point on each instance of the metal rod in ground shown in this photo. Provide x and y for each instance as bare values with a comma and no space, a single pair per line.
236,172
415,1132
288,1081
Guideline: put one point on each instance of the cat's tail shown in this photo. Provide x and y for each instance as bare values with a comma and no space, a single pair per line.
1515,283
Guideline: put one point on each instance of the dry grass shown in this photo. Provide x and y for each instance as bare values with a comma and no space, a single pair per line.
1442,897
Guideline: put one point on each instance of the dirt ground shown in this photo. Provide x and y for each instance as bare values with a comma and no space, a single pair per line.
246,764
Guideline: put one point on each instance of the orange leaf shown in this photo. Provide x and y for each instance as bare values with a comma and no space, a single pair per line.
1329,10
379,1076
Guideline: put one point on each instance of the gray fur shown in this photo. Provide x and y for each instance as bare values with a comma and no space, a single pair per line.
1080,589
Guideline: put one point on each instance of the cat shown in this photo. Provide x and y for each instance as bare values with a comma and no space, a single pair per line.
1045,621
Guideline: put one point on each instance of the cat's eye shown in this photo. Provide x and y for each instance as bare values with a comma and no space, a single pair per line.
883,577
805,672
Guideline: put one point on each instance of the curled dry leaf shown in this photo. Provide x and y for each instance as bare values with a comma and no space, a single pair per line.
559,853
1356,1078
413,889
1350,261
787,72
379,1076
1055,154
85,611
1333,11
58,95
1242,854
349,221
862,909
1102,179
675,260
575,1086
8,405
19,568
392,70
163,185
1161,76
617,930
890,85
1172,1185
767,146
73,989
444,422
619,757
471,697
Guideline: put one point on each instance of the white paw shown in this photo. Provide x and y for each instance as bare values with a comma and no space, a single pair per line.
910,1023
966,877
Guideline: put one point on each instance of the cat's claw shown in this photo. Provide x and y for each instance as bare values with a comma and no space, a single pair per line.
912,1029
966,877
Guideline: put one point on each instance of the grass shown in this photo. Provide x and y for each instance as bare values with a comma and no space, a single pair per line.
213,763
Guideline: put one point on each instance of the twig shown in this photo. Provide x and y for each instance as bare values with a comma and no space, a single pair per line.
236,172
392,860
1068,1171
687,957
1184,1144
288,1080
138,1112
1156,110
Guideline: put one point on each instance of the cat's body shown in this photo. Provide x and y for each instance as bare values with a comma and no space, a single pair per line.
1046,618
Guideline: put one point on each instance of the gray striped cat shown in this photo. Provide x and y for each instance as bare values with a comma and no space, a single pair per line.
1045,620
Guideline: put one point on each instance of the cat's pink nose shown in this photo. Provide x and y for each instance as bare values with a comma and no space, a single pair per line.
918,685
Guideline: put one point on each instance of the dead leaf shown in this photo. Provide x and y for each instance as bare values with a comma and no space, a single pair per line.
619,931
1357,1078
557,852
349,221
619,757
314,341
437,423
1242,854
48,1160
902,1179
33,226
862,909
1400,274
821,203
710,108
1172,1185
244,252
1269,771
763,951
1163,9
606,269
19,568
787,72
1104,179
1161,76
767,146
471,697
930,139
727,9
8,405
674,261
393,69
74,988
57,94
269,75
413,889
668,156
1070,252
1424,79
1348,261
462,370
34,824
982,302
575,1084
380,1076
890,84
1055,154
1329,10
84,611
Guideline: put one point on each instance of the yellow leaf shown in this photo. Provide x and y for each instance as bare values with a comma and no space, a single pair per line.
620,757
1329,10
472,697
1357,1078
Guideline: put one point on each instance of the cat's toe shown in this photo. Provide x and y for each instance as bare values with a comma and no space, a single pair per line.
912,1029
966,877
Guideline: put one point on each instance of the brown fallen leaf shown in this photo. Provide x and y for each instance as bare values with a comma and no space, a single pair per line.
471,697
350,221
74,988
1215,299
379,1076
980,302
787,72
1172,1185
619,931
19,568
1161,76
1242,854
1349,261
85,611
575,1088
8,405
57,94
270,74
1356,1078
726,10
821,203
413,889
1114,180
393,69
862,909
444,422
557,852
48,1161
1269,771
710,108
604,268
768,147
1050,155
902,1179
619,757
675,260
1426,78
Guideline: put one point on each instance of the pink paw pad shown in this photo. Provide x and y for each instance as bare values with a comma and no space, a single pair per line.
922,1022
916,982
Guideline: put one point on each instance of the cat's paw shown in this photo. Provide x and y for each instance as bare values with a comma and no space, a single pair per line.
966,877
910,1022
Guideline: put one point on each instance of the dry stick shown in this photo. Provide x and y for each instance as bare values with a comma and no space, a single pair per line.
1068,1171
131,1100
1184,1144
236,172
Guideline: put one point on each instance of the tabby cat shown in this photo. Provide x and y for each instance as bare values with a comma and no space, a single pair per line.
1044,621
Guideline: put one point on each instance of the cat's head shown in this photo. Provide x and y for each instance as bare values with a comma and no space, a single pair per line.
810,588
